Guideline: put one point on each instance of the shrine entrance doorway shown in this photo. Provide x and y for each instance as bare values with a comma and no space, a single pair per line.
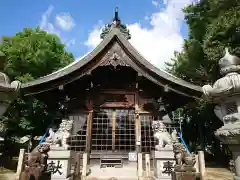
113,131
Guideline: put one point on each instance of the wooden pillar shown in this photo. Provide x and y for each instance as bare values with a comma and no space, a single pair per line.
89,131
138,132
113,129
137,119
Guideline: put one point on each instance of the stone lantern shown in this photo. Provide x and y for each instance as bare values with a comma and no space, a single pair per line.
8,90
225,92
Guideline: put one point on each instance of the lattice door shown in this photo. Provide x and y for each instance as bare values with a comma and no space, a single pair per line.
113,130
147,139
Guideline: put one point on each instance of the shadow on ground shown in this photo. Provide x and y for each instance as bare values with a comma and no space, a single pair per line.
8,163
8,167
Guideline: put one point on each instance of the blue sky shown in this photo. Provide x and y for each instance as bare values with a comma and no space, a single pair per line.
78,22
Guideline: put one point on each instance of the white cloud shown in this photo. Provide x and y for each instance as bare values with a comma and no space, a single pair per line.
155,3
146,18
65,21
70,42
94,36
45,23
157,43
165,2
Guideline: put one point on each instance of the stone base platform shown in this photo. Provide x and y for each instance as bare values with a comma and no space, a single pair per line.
59,163
164,163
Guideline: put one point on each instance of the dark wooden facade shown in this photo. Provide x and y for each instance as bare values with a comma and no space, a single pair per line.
112,95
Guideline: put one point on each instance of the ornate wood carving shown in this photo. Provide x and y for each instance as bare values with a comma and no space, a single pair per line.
116,100
111,100
115,56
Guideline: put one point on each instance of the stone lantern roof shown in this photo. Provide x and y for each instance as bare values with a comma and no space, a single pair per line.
5,84
227,87
229,63
2,60
8,90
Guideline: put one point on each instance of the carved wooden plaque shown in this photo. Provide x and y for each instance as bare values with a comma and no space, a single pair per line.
117,100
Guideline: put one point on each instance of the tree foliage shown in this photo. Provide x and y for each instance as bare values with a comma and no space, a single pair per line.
31,54
213,26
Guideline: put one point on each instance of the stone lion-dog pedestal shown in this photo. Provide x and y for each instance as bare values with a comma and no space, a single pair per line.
60,164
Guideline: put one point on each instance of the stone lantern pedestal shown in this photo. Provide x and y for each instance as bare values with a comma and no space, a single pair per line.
231,136
226,94
236,157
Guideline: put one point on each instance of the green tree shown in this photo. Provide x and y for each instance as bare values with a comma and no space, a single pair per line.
31,54
213,25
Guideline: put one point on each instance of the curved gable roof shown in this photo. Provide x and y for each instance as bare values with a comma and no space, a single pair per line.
76,65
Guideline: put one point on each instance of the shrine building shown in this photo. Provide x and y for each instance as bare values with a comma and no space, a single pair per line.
113,94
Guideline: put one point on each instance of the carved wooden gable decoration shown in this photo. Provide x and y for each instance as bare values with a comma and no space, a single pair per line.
115,56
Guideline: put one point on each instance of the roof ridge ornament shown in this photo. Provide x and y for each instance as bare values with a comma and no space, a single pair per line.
116,18
116,23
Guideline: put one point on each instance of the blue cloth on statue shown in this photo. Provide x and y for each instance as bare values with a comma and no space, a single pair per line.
44,137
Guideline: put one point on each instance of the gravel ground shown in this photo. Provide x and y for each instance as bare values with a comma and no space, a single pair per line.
7,176
218,174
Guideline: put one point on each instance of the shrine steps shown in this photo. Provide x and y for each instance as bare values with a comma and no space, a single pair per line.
127,172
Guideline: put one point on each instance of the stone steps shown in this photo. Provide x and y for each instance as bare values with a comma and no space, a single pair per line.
111,178
127,172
